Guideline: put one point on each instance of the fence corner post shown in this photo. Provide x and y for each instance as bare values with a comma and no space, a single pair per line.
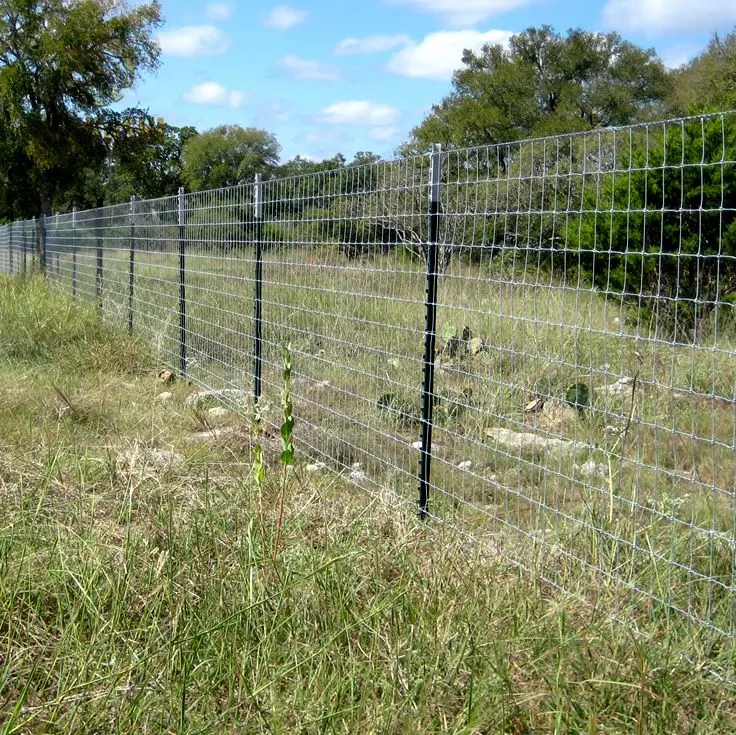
430,330
182,289
258,296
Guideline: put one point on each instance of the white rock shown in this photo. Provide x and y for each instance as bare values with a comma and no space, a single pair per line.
164,457
316,467
217,415
591,469
524,441
465,465
163,397
358,475
622,386
232,393
417,445
355,466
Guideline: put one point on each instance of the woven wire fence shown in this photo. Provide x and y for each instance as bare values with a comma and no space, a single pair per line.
545,328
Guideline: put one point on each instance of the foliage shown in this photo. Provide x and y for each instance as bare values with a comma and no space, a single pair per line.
228,155
708,82
542,84
62,62
663,231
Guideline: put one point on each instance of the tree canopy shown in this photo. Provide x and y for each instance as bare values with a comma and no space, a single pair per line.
228,155
62,63
545,83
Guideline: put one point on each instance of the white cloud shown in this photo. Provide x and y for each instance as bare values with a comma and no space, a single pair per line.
370,44
384,133
308,70
219,11
194,41
212,93
464,12
438,55
359,112
282,17
654,17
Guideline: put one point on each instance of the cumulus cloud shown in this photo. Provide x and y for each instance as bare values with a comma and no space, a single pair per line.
219,11
438,55
283,17
384,133
370,44
359,112
212,93
464,12
194,41
656,17
304,69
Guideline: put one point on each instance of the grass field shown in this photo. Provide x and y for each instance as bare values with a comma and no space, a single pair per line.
644,503
141,595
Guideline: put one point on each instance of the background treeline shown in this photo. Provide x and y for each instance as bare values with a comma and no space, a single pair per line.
647,213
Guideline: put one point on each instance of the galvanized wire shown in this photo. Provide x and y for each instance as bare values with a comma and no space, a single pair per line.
585,389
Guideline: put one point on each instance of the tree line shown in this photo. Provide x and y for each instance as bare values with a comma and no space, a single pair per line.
666,229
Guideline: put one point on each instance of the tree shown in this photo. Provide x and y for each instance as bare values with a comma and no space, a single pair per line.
148,164
542,84
228,155
62,62
708,82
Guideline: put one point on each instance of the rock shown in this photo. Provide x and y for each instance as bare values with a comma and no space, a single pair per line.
527,442
417,445
623,386
138,457
355,466
555,416
217,415
465,465
476,345
203,436
591,469
358,475
163,397
225,393
165,376
316,467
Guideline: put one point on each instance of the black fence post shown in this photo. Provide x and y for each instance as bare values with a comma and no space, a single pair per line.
131,266
41,235
74,251
100,277
258,297
11,270
430,335
57,246
182,291
24,245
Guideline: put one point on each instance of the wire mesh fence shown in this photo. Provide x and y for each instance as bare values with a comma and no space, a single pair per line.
545,328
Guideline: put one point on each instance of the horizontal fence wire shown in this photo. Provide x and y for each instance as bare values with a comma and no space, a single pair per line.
584,399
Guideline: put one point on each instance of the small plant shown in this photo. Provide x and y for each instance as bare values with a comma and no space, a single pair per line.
287,447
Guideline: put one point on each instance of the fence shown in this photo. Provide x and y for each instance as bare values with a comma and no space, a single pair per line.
544,328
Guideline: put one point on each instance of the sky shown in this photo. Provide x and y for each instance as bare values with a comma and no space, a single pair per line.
329,76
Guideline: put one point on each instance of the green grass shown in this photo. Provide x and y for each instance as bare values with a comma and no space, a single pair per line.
143,598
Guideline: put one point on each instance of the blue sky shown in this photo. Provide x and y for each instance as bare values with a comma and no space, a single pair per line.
328,76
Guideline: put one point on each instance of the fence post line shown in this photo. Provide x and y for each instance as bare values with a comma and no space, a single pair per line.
74,251
58,245
258,296
24,246
182,290
40,226
131,266
430,335
100,277
10,248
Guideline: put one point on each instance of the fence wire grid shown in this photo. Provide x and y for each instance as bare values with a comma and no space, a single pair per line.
582,400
